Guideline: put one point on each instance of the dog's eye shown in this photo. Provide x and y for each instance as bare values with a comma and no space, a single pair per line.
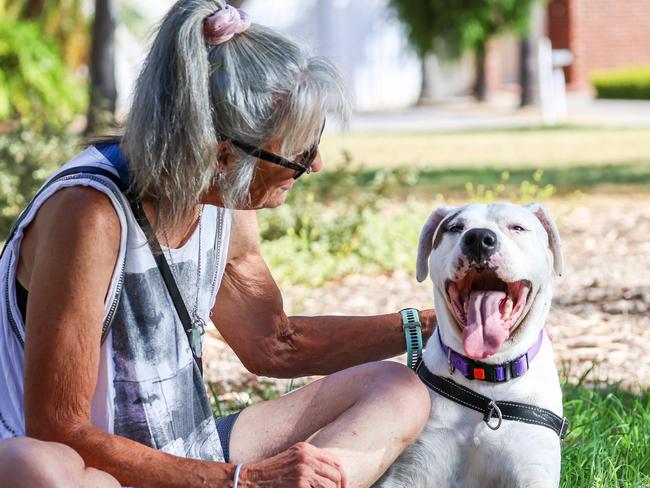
456,228
518,228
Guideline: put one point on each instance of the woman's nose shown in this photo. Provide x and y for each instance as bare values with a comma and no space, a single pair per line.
318,164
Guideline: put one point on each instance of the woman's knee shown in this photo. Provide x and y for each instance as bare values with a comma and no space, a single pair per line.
32,463
403,392
28,462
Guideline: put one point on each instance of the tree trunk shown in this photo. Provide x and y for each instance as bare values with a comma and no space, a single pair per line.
480,84
426,93
526,72
103,90
32,9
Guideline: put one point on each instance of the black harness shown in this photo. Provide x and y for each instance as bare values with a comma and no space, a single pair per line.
491,409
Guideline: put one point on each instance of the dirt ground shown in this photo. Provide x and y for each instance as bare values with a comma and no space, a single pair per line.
600,319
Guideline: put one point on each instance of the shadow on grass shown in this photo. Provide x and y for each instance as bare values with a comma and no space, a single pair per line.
571,178
406,181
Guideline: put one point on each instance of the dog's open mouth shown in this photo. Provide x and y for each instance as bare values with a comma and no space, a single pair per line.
487,310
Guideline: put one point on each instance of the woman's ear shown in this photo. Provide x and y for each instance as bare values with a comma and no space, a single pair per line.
225,155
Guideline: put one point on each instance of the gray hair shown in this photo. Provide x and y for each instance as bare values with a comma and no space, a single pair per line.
256,88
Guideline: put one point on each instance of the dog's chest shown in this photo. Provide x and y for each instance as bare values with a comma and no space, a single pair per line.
478,455
458,450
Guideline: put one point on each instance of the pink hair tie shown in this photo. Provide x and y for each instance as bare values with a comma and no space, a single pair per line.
222,25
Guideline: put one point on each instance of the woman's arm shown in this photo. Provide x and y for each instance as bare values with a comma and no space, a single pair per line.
71,251
249,314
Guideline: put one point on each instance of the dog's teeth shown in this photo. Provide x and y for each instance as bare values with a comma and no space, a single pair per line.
508,310
466,305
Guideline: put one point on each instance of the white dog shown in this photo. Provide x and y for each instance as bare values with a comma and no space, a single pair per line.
491,267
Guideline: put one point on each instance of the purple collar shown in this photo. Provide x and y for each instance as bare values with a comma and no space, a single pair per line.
492,373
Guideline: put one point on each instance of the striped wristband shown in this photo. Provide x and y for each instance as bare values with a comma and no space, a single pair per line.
413,333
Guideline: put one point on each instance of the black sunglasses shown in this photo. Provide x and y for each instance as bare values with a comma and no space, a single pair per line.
301,165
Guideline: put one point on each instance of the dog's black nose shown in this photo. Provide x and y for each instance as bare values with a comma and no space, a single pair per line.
479,244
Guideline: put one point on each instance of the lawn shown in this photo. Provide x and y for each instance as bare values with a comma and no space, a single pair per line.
570,158
506,149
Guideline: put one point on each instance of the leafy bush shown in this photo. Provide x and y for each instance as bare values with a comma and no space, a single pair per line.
337,224
527,191
629,83
26,159
35,84
348,221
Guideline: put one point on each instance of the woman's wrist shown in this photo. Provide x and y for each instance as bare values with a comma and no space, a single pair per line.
237,480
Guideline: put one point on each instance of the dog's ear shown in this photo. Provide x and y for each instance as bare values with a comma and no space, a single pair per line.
554,243
427,241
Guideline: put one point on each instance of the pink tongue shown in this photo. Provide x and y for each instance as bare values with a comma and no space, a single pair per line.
485,332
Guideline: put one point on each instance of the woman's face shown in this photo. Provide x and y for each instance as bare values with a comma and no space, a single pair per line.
270,184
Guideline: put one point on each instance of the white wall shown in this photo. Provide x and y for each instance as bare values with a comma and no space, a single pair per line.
361,37
131,48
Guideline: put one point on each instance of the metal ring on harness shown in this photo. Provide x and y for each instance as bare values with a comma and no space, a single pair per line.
493,407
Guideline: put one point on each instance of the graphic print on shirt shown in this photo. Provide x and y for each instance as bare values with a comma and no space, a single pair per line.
160,400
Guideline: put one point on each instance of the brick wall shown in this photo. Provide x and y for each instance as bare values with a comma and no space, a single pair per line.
601,34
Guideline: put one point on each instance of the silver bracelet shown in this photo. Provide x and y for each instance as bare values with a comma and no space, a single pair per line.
235,478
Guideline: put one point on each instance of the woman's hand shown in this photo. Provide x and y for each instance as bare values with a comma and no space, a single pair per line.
302,465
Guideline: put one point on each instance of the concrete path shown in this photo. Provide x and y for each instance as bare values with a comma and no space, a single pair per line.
465,114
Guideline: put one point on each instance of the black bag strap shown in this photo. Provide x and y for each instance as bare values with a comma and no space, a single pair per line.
165,271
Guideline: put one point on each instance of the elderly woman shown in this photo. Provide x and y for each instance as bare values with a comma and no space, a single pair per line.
114,269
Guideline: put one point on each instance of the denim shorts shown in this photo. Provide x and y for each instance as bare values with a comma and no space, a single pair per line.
224,429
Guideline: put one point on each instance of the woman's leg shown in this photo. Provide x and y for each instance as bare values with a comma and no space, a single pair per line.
28,463
366,415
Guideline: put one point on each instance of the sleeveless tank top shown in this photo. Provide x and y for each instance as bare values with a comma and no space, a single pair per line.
149,388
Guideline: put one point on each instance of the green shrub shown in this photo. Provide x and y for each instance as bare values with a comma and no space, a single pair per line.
348,221
339,223
628,83
527,191
35,84
26,159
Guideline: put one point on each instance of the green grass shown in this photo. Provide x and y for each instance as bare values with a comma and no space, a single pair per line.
609,442
571,157
430,181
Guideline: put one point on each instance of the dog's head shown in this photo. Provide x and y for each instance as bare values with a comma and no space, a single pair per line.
491,267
